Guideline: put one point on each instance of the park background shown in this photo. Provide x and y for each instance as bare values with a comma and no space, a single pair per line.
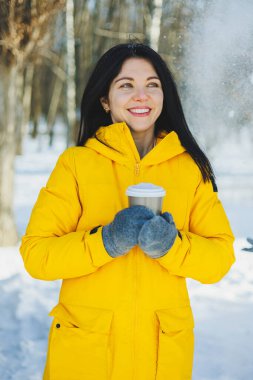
47,50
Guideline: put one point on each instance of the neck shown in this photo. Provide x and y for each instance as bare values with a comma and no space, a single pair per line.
144,142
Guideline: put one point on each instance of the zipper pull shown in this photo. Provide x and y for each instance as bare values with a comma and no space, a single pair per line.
137,169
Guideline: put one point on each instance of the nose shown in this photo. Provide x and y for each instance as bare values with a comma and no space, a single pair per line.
140,94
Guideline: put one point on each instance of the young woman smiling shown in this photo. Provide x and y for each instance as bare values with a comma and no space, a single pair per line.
124,311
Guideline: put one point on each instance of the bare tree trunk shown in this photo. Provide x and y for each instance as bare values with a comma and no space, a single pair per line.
71,69
100,22
51,117
36,103
27,99
156,24
84,28
8,233
123,18
19,109
147,11
26,107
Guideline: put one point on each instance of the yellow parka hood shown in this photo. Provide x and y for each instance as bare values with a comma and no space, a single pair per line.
116,142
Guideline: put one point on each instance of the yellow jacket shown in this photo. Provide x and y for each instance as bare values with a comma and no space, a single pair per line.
129,317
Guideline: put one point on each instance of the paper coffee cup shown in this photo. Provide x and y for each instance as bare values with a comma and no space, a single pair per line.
146,194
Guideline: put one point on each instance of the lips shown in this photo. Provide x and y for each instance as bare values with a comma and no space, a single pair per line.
144,111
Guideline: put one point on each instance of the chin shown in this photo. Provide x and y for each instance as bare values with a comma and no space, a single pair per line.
141,128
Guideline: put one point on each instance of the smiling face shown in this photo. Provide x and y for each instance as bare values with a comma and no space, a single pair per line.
135,96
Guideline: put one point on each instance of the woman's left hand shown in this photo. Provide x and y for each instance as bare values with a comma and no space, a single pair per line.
157,235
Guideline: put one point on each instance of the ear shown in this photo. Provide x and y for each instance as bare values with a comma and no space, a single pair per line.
105,103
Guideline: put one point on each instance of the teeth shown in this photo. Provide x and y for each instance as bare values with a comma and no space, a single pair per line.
140,110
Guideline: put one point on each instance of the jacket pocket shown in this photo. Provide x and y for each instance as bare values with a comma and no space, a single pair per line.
175,346
79,343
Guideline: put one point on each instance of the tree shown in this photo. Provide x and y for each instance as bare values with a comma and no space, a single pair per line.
71,69
24,30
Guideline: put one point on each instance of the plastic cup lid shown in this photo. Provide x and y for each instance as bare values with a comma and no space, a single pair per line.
145,189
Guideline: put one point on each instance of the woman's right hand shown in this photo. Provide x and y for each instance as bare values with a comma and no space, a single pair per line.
122,234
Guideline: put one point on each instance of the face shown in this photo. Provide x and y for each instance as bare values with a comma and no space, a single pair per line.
135,95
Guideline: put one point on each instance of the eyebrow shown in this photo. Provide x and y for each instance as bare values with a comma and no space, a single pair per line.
132,79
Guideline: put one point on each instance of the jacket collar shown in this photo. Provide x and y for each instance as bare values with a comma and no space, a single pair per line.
115,141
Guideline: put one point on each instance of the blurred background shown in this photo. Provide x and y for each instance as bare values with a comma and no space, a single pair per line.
47,51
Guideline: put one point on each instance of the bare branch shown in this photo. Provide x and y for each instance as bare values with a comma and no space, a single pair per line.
117,35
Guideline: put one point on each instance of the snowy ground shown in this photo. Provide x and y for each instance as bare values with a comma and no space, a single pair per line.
223,311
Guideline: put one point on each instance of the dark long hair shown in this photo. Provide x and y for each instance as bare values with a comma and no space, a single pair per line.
171,118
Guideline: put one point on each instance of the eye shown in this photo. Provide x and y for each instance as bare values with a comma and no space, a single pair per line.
126,85
153,84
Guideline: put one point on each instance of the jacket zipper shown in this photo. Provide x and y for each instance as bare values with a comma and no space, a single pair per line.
135,327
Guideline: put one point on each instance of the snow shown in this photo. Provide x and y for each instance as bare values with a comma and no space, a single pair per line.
223,311
24,324
219,60
223,323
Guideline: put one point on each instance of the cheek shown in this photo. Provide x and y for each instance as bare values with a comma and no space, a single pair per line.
116,102
159,103
116,106
157,97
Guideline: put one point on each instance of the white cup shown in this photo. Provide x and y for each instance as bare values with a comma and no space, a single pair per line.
146,194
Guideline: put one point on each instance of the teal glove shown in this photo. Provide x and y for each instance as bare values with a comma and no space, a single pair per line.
122,234
158,235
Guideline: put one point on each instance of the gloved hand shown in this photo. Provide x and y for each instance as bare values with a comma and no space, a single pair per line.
158,235
122,234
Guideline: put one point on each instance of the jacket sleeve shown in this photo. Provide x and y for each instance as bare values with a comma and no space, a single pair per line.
205,252
52,248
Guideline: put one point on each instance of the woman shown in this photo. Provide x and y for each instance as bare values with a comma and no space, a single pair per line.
124,311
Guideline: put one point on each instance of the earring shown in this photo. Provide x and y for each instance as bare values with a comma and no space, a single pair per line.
107,110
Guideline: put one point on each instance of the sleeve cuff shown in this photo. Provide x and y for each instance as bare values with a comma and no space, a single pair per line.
181,244
98,252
